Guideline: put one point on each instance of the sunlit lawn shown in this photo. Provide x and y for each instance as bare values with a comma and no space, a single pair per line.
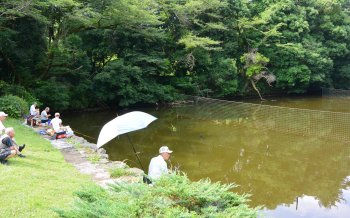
35,185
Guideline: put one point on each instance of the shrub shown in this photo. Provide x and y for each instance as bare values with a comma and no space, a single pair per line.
172,196
20,91
3,87
14,106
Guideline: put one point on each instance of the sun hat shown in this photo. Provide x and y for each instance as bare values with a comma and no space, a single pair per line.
164,149
3,114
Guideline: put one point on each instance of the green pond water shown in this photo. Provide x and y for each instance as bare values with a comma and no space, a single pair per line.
295,163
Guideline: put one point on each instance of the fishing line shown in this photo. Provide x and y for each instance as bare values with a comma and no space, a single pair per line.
83,134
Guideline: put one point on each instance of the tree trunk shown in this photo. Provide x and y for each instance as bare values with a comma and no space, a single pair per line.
256,89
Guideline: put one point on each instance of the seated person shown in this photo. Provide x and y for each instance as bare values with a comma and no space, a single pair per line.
3,116
32,110
37,118
56,124
8,147
158,166
44,116
32,113
34,117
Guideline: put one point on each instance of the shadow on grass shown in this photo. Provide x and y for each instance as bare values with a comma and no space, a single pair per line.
46,160
23,163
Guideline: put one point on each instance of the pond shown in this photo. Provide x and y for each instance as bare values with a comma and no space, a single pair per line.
294,162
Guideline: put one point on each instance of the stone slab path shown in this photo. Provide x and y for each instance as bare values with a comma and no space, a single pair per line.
87,159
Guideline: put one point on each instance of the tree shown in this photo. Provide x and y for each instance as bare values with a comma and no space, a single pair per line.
255,69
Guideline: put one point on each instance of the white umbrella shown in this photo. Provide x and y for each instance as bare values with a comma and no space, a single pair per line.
128,122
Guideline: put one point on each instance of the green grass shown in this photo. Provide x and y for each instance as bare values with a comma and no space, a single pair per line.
35,185
76,145
94,158
118,172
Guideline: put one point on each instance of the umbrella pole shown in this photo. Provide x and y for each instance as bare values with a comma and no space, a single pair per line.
133,147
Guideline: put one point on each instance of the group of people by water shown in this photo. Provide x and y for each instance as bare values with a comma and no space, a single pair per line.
9,147
56,131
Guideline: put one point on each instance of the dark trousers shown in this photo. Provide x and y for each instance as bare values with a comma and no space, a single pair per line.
57,134
44,121
4,154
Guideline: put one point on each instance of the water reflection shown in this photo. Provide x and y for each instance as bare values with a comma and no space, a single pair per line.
275,166
308,206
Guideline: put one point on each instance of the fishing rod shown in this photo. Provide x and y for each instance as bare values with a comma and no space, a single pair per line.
137,155
133,148
145,177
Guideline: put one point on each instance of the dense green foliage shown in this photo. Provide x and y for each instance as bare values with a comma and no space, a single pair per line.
74,54
14,106
171,196
20,91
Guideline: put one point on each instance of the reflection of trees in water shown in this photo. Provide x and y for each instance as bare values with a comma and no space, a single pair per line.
336,104
304,167
338,97
277,155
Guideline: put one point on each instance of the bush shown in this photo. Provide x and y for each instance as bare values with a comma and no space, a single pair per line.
20,91
172,196
14,106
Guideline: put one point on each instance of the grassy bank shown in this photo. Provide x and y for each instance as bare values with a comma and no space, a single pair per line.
35,185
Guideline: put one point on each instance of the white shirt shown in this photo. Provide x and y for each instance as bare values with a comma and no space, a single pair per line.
2,128
44,115
56,124
157,167
32,110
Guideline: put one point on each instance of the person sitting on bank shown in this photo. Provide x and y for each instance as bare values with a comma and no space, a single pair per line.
8,147
56,124
36,119
45,116
33,114
158,166
3,116
32,110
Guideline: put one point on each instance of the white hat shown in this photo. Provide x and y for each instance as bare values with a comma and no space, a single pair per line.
3,114
57,114
164,149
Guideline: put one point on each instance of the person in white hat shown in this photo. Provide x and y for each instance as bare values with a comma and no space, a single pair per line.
56,124
3,116
158,166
